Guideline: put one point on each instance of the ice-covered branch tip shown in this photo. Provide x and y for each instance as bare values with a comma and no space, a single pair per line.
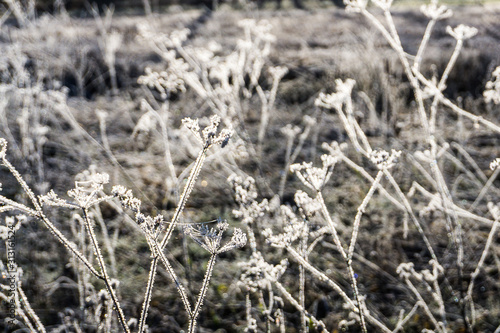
164,82
208,136
383,159
435,12
258,274
461,32
337,99
210,238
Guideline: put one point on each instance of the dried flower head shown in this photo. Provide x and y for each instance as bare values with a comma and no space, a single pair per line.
245,195
406,270
307,205
290,131
126,198
210,238
337,99
383,159
313,177
461,32
151,226
492,92
435,12
355,6
208,135
258,274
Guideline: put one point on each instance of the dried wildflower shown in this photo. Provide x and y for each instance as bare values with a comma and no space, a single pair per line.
307,205
293,230
126,198
164,82
495,164
461,32
258,274
210,238
435,12
385,5
151,226
52,199
12,224
278,72
247,23
407,270
208,135
337,99
494,210
334,148
3,147
437,270
313,177
492,92
384,159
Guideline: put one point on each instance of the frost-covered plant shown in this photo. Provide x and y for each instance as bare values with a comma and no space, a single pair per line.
226,82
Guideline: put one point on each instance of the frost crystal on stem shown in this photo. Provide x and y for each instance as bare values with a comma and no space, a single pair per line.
210,238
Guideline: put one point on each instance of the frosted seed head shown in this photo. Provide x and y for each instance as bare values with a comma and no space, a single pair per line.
494,210
495,164
355,6
3,147
383,159
492,92
435,12
257,274
383,4
194,126
308,206
461,32
290,131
